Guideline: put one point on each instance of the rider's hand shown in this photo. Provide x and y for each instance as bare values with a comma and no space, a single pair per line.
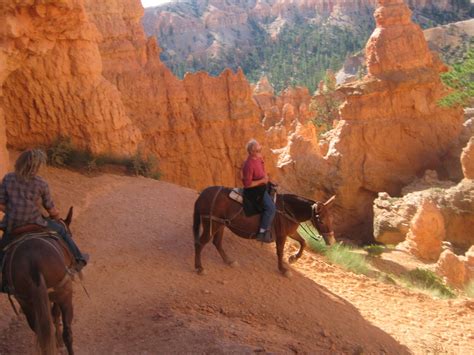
54,213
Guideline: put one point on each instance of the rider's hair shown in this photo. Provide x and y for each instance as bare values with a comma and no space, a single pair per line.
28,163
250,144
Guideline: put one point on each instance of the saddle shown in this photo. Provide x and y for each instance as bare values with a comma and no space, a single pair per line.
249,198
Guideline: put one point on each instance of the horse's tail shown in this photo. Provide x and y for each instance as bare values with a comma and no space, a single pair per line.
196,224
42,313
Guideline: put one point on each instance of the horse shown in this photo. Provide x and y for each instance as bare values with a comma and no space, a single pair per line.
214,209
37,267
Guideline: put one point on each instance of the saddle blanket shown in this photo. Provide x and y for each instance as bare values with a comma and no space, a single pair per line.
237,195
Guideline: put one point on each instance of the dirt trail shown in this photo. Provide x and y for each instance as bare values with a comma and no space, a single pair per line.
146,297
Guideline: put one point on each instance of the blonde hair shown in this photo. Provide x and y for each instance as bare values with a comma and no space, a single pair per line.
28,163
250,144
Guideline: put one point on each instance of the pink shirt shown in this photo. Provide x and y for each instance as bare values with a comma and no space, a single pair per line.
253,169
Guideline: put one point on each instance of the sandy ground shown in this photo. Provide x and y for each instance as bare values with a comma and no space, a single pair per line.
146,297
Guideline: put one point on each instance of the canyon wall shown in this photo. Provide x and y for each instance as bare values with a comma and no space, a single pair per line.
53,85
196,127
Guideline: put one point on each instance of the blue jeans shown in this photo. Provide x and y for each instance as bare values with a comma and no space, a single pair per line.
62,231
268,213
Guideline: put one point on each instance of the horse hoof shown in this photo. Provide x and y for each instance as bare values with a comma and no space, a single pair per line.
233,264
287,273
200,271
292,259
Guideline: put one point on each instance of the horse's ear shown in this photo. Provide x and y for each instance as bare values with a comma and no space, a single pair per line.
331,199
68,219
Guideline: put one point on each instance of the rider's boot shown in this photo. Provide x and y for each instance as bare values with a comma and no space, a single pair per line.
264,236
81,259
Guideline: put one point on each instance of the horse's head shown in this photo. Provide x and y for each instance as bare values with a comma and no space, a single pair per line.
321,218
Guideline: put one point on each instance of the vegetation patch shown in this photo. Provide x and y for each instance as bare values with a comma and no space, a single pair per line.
427,280
63,153
461,80
337,254
374,250
348,258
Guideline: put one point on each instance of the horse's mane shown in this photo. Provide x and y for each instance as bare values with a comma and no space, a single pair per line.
299,198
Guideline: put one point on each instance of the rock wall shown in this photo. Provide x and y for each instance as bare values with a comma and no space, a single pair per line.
196,127
54,85
391,127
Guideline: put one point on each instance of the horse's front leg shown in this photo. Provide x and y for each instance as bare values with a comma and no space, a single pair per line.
295,236
280,246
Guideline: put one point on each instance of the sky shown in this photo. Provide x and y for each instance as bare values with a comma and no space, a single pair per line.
148,3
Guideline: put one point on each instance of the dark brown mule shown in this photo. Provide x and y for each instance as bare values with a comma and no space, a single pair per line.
37,268
216,210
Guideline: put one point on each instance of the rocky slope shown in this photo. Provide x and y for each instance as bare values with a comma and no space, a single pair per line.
451,41
216,34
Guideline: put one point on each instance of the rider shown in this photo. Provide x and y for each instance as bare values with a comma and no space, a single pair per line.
20,192
255,181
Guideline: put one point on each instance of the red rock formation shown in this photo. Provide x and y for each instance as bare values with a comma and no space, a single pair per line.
452,268
196,127
53,84
426,232
292,104
391,127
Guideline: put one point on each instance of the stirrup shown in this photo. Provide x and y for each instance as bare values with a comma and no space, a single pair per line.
265,237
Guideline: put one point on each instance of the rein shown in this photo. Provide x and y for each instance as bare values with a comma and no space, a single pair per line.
288,215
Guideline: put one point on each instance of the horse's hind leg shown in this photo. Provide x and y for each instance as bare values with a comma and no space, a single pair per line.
56,312
298,238
217,241
203,240
67,314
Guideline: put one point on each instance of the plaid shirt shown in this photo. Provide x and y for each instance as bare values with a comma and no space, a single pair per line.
21,200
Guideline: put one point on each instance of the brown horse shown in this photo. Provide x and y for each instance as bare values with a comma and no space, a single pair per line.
37,269
216,210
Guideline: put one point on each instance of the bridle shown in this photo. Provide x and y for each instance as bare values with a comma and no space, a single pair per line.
315,217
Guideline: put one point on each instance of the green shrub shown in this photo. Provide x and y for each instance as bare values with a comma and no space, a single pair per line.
144,166
461,79
374,250
63,153
59,154
428,280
